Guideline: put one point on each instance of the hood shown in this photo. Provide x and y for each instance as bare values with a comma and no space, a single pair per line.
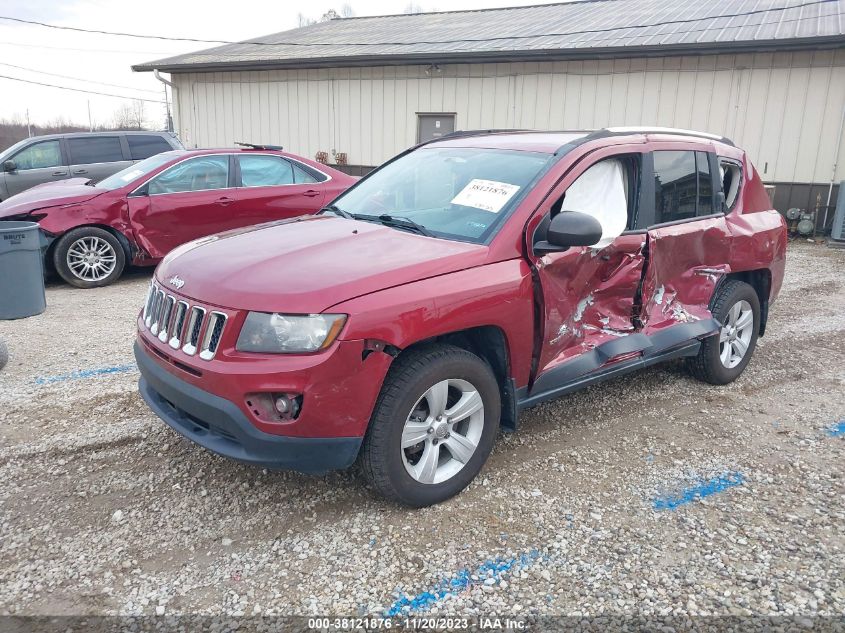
50,194
309,264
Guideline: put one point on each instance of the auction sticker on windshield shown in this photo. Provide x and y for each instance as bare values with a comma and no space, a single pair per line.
131,175
487,195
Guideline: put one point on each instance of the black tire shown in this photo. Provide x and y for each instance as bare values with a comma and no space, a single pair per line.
707,365
60,257
411,375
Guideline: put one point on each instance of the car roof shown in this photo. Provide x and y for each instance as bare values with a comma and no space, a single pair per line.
551,142
106,133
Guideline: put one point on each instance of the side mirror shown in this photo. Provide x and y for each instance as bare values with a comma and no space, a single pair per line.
570,228
10,165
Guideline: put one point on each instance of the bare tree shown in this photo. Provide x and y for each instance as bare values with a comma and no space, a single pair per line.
129,116
123,117
346,11
413,7
138,111
305,21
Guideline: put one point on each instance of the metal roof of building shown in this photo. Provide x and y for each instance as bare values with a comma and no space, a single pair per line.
571,30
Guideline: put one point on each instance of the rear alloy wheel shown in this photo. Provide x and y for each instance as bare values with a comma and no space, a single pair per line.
89,257
736,334
433,426
723,358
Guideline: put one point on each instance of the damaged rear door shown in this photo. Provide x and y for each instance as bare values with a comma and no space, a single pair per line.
588,294
688,243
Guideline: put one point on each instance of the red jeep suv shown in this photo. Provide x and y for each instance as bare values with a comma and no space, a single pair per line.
463,281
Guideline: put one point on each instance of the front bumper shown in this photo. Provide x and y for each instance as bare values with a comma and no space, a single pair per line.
220,426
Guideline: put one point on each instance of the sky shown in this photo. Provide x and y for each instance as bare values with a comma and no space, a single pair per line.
25,49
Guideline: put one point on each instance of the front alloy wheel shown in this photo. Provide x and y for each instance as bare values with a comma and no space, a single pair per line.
442,431
89,257
433,425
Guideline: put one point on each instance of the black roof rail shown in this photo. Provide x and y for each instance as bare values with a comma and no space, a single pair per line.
256,146
462,133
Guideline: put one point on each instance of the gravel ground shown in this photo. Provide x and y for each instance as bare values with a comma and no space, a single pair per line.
650,495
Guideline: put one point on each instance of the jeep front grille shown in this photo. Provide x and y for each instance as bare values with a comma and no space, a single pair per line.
213,330
178,324
189,328
166,313
192,335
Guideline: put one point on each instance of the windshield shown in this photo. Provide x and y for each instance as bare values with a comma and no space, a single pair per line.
460,193
133,172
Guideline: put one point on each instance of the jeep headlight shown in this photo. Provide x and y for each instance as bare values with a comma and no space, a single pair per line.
289,333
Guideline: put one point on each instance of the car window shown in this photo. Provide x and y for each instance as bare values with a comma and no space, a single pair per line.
143,146
195,174
86,150
675,186
705,184
461,193
39,156
300,176
265,171
730,174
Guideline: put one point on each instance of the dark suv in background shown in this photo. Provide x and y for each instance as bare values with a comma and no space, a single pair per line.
93,155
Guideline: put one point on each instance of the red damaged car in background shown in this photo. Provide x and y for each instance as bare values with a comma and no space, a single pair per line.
138,215
467,279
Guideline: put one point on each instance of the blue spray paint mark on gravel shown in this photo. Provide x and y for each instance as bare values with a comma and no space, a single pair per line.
704,488
837,430
86,373
462,580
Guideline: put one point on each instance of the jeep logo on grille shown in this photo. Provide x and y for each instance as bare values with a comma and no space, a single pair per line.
176,281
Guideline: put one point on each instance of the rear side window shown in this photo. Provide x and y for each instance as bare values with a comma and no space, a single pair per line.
265,171
301,176
39,156
305,173
675,186
143,146
95,149
730,174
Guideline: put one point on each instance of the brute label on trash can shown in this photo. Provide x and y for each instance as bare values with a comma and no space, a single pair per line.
21,270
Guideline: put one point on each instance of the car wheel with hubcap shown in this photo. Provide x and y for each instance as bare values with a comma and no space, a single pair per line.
89,257
722,358
433,426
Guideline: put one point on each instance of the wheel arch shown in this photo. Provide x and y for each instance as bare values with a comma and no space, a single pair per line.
490,343
759,279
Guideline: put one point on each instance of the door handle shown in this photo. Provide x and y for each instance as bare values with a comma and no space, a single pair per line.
224,201
311,193
81,171
60,173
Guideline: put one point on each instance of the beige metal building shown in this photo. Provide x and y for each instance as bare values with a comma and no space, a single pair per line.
770,74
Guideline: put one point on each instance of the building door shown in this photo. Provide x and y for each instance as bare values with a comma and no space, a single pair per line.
432,126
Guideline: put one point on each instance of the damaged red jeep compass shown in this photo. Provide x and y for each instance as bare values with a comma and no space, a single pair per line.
463,281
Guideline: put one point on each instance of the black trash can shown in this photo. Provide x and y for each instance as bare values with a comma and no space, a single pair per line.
21,270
